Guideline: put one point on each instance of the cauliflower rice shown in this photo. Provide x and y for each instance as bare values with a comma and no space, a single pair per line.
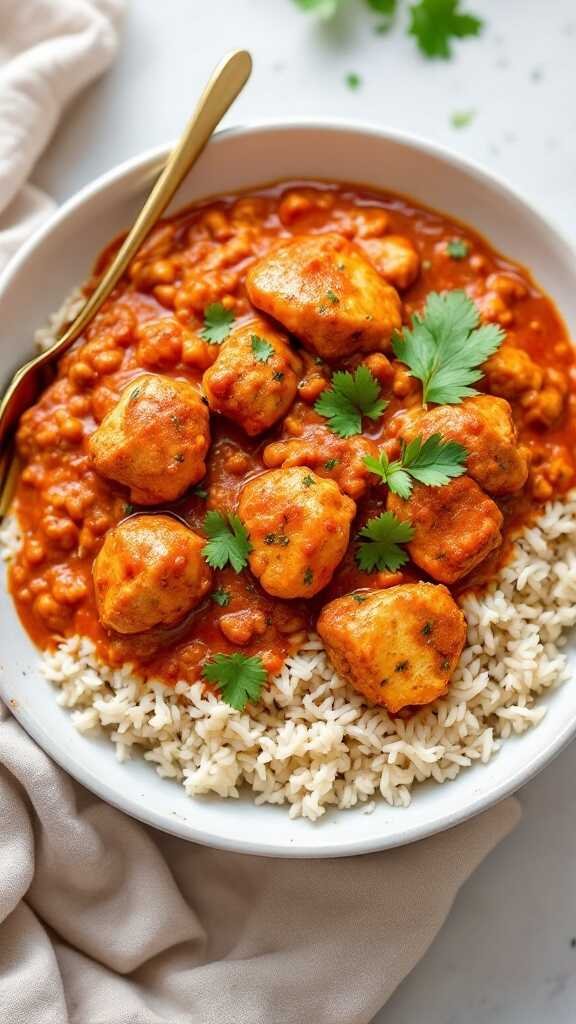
312,742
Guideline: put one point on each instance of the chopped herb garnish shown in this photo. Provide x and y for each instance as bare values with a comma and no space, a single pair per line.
129,509
228,541
350,397
278,375
308,576
380,543
434,23
401,666
239,678
426,629
199,492
277,538
432,462
359,598
221,597
134,394
308,480
457,248
217,323
332,297
331,464
353,81
179,457
261,348
445,347
462,118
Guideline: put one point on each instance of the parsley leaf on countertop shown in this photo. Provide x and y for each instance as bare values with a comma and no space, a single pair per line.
445,347
239,678
353,80
387,7
217,323
434,23
324,8
261,349
351,396
432,462
381,539
228,541
462,118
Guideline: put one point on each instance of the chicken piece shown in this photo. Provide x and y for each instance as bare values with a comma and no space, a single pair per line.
339,458
299,526
395,258
485,427
510,371
397,647
154,440
324,290
149,572
455,527
254,378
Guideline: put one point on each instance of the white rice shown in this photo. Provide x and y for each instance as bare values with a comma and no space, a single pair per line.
313,742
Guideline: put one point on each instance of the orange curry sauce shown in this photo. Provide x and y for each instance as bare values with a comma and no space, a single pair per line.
196,258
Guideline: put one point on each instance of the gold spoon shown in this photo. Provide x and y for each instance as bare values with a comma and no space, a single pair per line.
226,83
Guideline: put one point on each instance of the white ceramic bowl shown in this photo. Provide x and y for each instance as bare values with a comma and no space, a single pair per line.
60,256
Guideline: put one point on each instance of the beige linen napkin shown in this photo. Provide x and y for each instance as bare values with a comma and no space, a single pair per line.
103,921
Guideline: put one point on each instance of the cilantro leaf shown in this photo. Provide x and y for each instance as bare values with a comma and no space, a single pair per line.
391,473
352,396
221,597
457,248
228,541
381,547
432,462
353,80
434,23
239,678
462,118
445,347
262,349
323,8
217,323
387,7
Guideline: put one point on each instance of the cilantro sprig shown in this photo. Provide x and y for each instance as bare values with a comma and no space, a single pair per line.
240,678
434,24
217,323
261,349
228,541
350,397
381,538
445,347
433,462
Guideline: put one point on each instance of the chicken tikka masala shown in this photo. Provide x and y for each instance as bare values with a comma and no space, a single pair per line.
311,407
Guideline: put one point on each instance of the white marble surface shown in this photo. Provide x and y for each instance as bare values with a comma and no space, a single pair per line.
508,952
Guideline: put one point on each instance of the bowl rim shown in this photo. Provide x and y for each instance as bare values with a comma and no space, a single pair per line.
149,163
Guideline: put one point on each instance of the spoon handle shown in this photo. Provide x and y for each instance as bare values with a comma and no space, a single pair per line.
226,82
